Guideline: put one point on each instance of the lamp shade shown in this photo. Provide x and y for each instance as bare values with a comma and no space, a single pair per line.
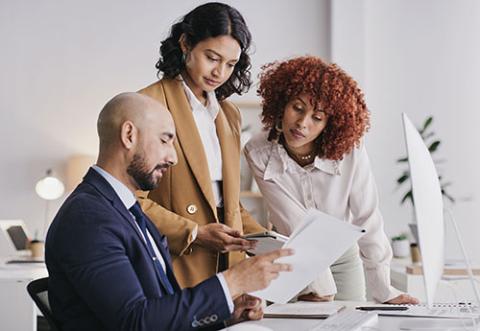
49,187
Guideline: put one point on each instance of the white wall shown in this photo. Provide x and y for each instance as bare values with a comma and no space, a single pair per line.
62,60
422,58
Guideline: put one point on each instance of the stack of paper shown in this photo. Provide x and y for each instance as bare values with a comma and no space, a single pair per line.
302,309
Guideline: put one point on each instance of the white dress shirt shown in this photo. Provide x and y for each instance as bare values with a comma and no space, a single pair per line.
344,189
204,117
128,199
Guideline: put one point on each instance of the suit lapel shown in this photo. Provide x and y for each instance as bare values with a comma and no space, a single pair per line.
229,145
95,179
188,137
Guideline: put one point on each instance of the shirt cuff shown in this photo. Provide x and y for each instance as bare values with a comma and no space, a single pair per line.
323,285
226,291
194,233
378,283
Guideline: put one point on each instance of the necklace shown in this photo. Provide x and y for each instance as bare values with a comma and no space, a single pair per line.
301,159
305,157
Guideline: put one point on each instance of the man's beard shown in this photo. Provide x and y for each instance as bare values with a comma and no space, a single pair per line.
137,169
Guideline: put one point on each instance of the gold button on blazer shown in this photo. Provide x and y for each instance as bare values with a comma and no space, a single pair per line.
188,184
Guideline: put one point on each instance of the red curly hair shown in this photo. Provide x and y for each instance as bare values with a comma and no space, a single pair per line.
329,86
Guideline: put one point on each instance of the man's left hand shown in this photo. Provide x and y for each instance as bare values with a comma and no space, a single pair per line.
247,307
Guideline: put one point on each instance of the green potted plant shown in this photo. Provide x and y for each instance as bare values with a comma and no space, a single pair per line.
433,143
400,245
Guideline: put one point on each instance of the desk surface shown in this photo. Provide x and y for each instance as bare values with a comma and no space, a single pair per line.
27,272
22,271
386,323
18,312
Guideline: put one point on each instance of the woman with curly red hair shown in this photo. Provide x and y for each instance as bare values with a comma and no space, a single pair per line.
312,156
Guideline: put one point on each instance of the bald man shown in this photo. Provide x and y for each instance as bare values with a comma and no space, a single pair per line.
109,268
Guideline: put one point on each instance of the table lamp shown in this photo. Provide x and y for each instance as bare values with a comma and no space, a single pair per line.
49,188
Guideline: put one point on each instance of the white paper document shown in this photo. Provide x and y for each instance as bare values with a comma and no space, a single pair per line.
317,242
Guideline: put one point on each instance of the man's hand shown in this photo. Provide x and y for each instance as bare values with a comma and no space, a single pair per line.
403,299
221,238
255,273
247,307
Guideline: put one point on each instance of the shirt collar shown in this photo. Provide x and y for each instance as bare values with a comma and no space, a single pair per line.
329,166
280,161
123,192
212,106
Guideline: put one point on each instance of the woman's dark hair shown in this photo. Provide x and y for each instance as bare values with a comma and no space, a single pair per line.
209,20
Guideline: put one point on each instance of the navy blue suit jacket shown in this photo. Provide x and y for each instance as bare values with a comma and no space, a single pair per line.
101,276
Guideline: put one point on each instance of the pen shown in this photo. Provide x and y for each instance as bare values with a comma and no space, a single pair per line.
370,308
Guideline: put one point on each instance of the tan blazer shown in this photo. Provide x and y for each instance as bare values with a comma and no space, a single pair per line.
185,198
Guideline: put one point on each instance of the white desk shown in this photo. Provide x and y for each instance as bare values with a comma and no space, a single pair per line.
385,323
17,310
450,289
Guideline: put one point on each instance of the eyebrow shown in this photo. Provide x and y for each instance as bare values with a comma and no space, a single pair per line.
301,100
220,55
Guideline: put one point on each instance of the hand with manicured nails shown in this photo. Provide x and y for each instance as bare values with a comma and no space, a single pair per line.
403,299
222,238
256,273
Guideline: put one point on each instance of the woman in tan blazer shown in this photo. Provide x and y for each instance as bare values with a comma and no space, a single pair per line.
197,205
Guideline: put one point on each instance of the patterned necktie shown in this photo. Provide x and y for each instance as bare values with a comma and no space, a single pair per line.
142,224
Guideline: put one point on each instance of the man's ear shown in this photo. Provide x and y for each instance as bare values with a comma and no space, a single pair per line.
128,135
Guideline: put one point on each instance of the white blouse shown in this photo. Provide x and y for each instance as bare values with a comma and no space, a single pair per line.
344,189
204,117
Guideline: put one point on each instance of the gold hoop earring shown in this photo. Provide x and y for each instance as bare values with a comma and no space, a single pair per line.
278,126
278,130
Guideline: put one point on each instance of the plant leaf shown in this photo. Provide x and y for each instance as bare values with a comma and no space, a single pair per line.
427,136
448,196
433,147
403,178
408,195
426,124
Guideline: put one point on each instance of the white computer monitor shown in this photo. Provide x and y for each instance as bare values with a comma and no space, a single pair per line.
13,238
428,206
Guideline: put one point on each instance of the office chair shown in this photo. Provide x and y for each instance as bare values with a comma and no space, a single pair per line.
38,290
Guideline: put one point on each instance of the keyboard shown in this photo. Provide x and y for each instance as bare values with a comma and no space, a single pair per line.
437,311
348,320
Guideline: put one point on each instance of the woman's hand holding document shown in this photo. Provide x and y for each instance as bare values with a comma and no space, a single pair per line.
317,243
